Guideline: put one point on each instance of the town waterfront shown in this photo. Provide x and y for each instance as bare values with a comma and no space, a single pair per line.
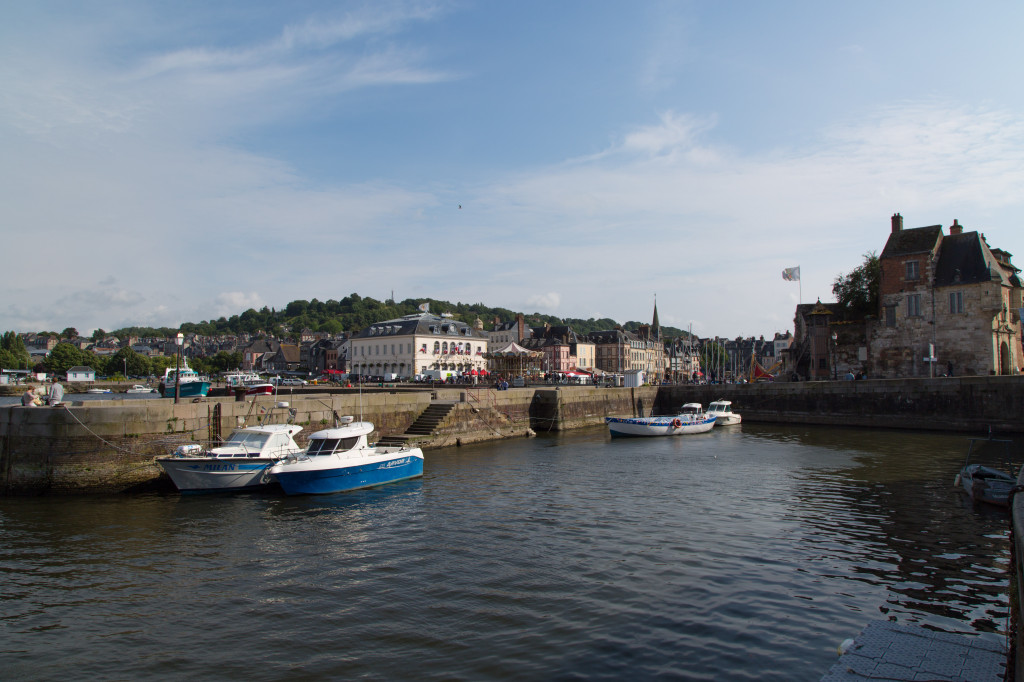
748,552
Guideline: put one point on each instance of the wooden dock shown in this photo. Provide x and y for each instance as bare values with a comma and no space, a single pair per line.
888,651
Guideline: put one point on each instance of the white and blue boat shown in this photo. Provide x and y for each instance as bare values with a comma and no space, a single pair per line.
340,459
241,463
692,419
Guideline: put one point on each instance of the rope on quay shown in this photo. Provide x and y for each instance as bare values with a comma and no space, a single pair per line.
103,440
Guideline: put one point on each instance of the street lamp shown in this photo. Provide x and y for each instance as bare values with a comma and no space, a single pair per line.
180,341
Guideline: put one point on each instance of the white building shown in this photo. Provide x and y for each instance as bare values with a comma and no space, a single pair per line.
409,345
81,374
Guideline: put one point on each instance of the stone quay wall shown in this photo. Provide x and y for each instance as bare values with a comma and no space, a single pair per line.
110,445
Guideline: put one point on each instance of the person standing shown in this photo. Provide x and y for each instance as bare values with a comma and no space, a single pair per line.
56,394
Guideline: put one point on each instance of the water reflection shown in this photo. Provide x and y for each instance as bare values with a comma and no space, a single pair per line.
745,553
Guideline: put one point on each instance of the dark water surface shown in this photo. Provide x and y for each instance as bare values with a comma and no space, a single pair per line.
746,553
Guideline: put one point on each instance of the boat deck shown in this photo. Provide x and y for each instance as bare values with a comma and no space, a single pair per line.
888,651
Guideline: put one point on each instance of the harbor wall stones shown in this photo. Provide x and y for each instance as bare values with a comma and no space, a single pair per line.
965,404
110,445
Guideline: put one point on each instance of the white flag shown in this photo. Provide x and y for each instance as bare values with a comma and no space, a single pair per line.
791,274
425,307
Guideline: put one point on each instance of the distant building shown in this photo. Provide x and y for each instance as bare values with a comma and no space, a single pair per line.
76,374
409,345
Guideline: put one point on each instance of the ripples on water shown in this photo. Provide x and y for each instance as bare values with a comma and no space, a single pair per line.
745,553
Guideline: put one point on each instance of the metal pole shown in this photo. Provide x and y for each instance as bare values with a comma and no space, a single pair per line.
180,340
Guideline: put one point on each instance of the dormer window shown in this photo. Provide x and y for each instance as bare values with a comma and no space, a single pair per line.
913,270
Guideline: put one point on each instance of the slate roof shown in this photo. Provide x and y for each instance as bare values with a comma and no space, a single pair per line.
420,324
913,240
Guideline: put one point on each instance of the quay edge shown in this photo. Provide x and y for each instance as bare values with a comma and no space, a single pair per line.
109,446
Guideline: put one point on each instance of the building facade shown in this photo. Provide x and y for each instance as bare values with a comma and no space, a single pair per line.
410,345
948,304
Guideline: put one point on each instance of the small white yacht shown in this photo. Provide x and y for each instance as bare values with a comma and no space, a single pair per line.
722,409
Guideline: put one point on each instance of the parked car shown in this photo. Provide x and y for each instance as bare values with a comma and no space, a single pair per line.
293,381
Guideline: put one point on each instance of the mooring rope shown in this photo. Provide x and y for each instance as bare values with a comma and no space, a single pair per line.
101,438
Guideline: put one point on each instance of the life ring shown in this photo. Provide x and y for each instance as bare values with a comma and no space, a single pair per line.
676,423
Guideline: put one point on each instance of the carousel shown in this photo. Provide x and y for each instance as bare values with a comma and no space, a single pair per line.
515,361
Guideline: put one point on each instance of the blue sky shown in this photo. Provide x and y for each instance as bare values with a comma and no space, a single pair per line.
170,162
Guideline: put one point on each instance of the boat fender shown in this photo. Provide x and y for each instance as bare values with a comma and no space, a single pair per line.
676,423
187,450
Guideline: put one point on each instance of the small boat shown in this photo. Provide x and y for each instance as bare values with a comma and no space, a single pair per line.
191,385
139,388
691,419
242,462
98,390
340,459
724,416
985,483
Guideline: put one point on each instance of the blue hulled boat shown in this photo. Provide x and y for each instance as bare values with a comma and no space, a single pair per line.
341,459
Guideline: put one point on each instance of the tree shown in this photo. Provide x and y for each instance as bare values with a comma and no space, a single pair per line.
13,354
69,333
128,361
63,357
858,291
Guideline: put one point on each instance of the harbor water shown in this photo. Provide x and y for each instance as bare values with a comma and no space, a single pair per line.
747,553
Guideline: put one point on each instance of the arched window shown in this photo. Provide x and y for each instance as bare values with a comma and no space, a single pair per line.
444,348
437,347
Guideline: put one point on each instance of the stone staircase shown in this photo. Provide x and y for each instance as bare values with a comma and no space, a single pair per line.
424,426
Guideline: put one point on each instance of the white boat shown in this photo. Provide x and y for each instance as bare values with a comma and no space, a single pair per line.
98,390
242,462
724,416
691,419
341,458
237,378
139,388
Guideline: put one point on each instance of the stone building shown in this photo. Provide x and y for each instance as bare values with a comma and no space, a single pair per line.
948,304
408,345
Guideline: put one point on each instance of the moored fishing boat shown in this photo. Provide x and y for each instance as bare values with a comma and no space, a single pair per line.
341,458
259,388
190,384
691,419
242,462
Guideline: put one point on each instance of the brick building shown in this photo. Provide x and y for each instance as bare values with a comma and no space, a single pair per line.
951,293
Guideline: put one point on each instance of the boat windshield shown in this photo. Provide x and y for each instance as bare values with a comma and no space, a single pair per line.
325,446
249,440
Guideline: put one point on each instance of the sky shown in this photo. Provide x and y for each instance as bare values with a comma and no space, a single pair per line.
170,162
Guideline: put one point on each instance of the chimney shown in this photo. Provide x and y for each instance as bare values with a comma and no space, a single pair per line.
897,222
956,228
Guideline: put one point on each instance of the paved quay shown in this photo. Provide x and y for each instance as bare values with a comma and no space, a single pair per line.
888,651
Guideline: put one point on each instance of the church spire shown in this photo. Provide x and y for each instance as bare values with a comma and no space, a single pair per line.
655,325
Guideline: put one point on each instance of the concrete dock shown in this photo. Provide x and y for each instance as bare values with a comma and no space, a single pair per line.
888,651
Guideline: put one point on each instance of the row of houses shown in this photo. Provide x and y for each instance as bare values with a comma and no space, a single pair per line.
948,304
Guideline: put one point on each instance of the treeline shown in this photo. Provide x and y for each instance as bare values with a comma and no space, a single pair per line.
351,314
354,312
